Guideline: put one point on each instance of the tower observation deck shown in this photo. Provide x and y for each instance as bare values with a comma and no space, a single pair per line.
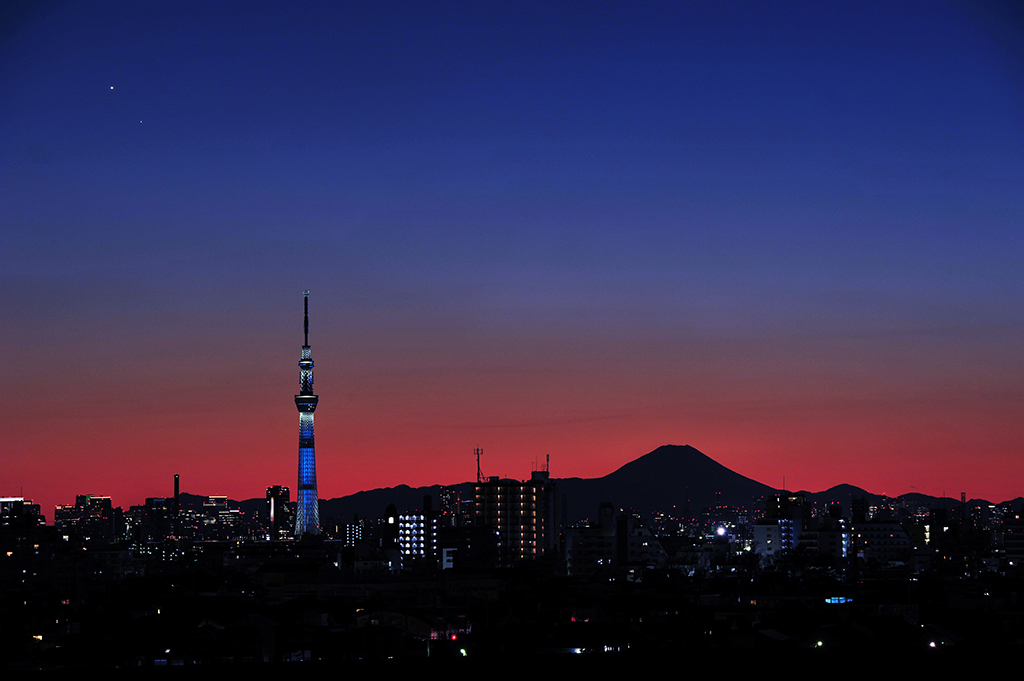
307,512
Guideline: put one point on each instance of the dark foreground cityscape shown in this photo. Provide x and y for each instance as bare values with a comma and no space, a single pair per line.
501,569
672,554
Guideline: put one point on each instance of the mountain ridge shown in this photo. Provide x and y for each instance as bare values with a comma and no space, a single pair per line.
675,479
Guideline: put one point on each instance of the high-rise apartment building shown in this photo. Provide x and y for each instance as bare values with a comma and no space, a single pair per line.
521,514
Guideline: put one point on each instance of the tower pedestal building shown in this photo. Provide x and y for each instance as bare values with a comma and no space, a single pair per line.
307,512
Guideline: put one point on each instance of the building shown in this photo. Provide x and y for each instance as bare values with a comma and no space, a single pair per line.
351,533
281,518
307,513
414,535
91,517
451,512
613,543
521,515
882,542
785,517
418,533
221,522
154,521
15,511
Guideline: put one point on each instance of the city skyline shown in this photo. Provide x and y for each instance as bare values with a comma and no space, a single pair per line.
647,488
788,236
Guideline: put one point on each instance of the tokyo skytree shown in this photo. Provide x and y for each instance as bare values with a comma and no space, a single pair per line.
307,515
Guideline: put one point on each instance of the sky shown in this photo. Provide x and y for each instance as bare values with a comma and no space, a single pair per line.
790,235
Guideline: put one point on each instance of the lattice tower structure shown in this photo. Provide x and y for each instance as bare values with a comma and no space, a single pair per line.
307,512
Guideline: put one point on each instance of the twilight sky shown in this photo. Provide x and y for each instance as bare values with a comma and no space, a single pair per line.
791,236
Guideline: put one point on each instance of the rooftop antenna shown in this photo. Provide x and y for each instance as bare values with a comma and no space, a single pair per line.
479,475
547,463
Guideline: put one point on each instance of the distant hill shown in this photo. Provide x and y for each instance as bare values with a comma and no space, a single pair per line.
373,503
840,494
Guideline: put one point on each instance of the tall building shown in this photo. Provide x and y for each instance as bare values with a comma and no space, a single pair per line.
279,512
521,514
307,513
417,532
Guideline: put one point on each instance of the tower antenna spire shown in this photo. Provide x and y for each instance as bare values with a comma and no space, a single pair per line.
305,320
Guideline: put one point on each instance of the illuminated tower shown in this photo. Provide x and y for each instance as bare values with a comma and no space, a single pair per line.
307,513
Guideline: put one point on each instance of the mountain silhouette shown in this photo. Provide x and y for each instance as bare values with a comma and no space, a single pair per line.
673,479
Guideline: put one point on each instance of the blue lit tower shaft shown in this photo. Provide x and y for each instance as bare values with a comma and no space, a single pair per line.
307,515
